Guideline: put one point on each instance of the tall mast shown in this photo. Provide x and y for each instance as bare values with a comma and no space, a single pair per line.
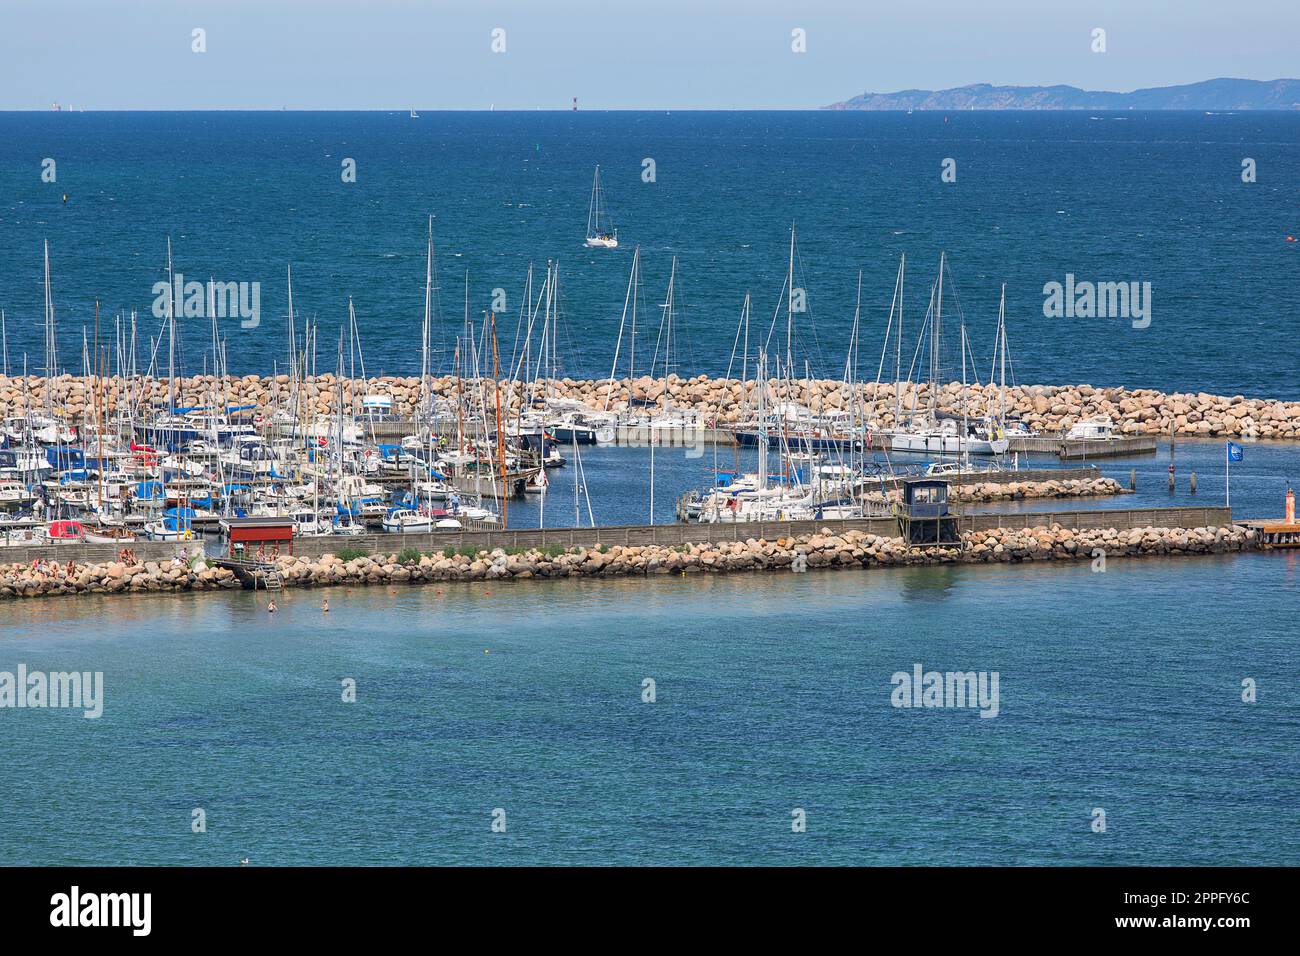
51,341
460,426
555,326
850,391
293,357
293,340
898,352
1002,355
789,306
218,365
761,382
428,309
934,343
593,208
668,329
965,435
171,331
501,445
636,290
628,300
99,417
745,308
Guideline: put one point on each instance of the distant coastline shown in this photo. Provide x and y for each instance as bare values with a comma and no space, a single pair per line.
1218,94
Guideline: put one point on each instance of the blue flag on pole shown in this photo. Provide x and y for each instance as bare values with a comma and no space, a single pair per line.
1235,451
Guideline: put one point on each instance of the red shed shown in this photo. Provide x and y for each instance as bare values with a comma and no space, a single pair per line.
271,533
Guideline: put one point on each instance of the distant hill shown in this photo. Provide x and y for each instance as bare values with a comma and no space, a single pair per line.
1220,94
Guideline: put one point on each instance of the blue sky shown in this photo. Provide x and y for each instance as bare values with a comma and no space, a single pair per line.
611,54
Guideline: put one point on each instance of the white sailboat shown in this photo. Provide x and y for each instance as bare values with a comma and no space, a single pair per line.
930,431
600,235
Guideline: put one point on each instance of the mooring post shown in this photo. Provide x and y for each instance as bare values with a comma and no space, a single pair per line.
1171,477
1133,480
1193,482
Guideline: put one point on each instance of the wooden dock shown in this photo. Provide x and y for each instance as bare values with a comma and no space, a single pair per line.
1274,532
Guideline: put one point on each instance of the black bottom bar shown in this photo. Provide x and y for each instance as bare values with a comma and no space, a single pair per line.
251,904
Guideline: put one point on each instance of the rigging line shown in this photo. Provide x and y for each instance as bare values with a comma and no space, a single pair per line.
781,300
524,303
736,343
532,320
816,350
920,339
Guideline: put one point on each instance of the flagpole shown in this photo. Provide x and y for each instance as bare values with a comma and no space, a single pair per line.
1227,472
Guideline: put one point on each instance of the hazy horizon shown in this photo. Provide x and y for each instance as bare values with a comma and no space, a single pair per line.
137,55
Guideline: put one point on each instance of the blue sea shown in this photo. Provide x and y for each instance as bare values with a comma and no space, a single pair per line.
1119,691
1148,197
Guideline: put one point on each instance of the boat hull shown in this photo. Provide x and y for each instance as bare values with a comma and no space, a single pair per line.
412,527
109,537
571,436
750,439
936,444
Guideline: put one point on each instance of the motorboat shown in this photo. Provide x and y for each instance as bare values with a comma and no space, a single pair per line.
1100,428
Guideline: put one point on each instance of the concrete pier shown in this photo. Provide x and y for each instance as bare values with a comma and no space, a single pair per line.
1122,447
661,534
674,534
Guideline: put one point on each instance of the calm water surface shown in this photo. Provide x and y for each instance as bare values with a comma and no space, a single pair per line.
1118,690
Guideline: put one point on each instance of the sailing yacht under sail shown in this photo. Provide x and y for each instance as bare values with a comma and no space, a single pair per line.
600,233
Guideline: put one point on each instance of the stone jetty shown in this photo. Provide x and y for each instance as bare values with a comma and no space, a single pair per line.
975,490
1045,408
824,549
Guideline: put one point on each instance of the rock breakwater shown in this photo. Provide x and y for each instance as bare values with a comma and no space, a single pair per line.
825,549
1046,408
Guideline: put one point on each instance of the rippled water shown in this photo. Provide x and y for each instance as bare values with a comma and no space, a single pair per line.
1152,197
1118,690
